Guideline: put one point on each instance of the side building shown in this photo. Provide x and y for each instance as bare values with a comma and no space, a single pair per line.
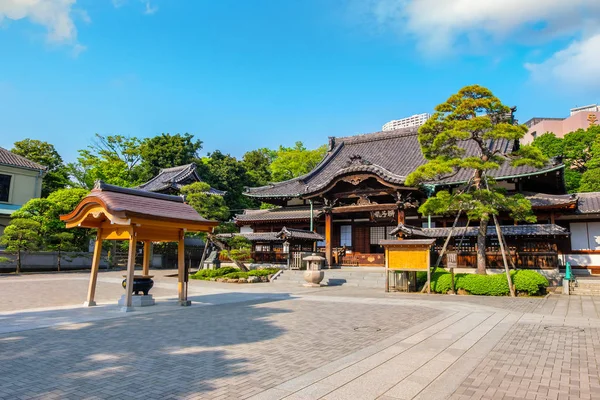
20,181
356,197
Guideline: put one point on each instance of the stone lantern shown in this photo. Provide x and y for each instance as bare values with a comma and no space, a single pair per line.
313,274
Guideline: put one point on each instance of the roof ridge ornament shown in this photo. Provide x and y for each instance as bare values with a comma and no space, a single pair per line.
356,159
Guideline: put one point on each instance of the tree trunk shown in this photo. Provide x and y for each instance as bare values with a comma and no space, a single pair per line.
222,246
481,236
18,261
59,255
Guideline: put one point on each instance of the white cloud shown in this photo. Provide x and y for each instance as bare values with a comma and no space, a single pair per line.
578,65
440,27
150,9
55,15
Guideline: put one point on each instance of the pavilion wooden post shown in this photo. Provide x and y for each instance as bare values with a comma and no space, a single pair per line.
401,220
130,273
94,271
328,237
146,264
181,271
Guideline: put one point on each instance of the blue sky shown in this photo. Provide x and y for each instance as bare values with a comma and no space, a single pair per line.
259,73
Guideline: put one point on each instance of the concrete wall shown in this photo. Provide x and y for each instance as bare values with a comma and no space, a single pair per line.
48,261
24,185
4,222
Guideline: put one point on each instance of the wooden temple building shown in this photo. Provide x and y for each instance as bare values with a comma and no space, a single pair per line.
356,197
171,180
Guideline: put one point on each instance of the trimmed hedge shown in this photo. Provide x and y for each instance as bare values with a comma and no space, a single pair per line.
230,273
530,282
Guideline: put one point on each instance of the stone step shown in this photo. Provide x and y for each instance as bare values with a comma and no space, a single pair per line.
337,278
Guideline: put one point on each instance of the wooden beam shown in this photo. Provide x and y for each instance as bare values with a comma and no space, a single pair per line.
130,273
401,220
369,207
146,264
181,271
328,237
94,270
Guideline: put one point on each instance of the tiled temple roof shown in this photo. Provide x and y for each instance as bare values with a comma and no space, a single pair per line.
544,200
175,178
588,203
507,230
390,155
14,160
278,237
277,214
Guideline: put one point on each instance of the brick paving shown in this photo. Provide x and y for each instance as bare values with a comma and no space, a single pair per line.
227,351
538,362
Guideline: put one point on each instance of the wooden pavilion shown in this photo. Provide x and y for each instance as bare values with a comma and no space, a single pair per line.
136,215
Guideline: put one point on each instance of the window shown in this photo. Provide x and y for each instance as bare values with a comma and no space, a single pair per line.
380,233
346,235
585,235
4,187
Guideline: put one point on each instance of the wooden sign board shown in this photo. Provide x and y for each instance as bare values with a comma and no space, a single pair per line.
407,255
451,259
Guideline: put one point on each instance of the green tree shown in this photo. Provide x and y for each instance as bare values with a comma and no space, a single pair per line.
225,172
475,116
590,180
44,153
166,151
578,147
210,206
114,159
258,165
21,235
550,145
61,242
291,162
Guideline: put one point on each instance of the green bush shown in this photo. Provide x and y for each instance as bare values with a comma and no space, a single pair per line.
485,285
206,274
530,282
230,273
525,281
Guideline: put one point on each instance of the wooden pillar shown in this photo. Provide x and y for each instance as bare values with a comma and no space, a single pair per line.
94,270
552,217
181,272
130,273
401,220
146,264
328,237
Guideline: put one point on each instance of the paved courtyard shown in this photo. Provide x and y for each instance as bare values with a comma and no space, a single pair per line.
267,341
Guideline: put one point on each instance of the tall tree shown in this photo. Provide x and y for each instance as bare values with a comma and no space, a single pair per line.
473,116
21,235
113,159
258,165
166,151
44,153
225,172
291,162
210,206
590,180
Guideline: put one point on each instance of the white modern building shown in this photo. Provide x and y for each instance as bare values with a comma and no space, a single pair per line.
413,120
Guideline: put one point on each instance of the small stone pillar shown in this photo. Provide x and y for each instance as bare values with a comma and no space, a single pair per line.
313,274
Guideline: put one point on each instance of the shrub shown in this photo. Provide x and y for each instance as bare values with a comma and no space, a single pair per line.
256,272
530,282
525,281
487,285
207,274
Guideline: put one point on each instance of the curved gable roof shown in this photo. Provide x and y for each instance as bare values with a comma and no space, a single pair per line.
391,155
14,160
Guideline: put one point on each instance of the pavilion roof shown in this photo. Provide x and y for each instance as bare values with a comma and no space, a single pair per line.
544,200
175,178
126,204
588,203
278,237
301,213
507,230
389,155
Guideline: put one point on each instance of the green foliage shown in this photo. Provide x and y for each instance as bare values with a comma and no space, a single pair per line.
231,273
167,151
258,165
239,248
530,282
550,145
572,180
51,230
112,159
208,205
44,153
224,172
525,281
473,116
291,162
4,259
590,179
20,235
206,274
225,227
